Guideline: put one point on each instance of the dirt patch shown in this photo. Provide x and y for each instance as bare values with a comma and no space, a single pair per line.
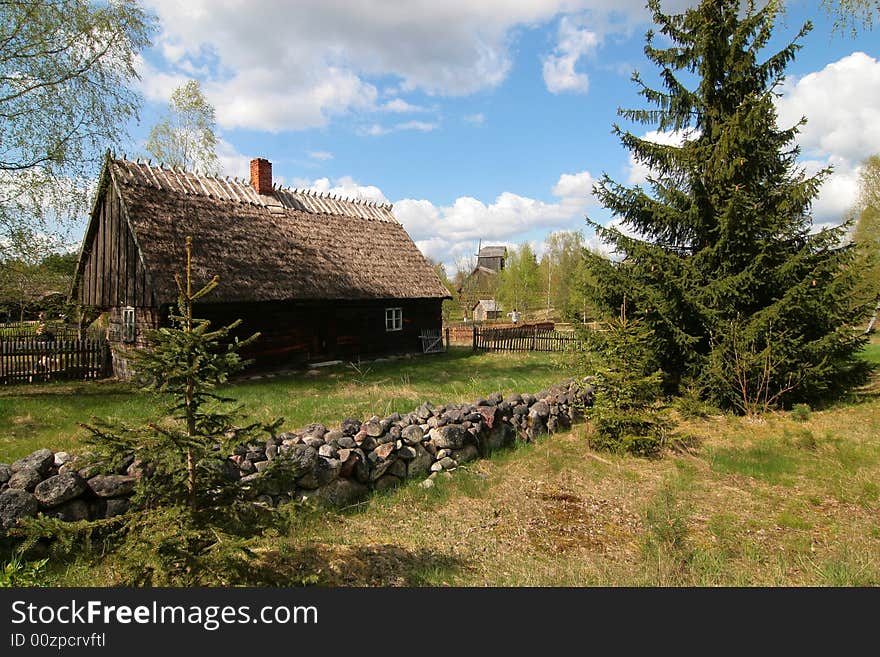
567,522
363,565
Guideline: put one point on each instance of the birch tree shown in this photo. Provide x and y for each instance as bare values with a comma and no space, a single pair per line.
185,137
67,74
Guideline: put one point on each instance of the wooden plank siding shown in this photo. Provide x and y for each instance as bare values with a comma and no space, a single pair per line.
303,332
113,272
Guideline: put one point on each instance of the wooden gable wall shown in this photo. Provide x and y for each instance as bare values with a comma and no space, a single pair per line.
113,272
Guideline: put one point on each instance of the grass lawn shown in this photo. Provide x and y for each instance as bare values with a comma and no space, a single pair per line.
872,352
773,503
34,417
776,502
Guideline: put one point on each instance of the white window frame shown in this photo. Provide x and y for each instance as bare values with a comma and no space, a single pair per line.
129,327
393,319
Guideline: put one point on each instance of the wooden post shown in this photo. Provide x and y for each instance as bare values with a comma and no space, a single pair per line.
475,338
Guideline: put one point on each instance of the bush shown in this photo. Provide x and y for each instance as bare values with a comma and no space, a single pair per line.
624,415
691,405
801,412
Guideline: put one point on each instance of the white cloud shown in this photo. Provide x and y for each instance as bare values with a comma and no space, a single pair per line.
574,43
574,185
421,126
278,65
475,119
255,100
321,156
374,130
377,130
448,232
400,106
284,65
842,106
345,186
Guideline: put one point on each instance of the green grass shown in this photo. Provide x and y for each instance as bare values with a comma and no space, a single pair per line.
872,352
770,461
782,501
34,417
750,506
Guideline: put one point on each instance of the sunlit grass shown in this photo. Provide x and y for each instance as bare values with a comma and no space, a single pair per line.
783,501
34,417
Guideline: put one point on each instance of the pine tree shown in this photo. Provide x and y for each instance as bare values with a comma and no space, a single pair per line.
720,245
626,386
185,362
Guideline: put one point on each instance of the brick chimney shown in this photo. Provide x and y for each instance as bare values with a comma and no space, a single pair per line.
261,175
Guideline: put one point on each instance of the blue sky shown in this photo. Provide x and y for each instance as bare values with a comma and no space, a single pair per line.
479,120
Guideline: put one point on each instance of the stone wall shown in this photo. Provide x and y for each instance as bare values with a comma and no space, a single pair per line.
333,467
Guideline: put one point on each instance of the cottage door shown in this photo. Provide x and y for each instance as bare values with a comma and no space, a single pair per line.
325,335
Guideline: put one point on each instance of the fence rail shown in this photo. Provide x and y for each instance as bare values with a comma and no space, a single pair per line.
35,360
54,330
523,338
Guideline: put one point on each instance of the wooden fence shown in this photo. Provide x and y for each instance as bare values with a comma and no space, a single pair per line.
33,360
523,338
462,333
54,330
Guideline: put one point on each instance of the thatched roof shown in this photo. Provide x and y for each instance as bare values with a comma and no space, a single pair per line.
290,245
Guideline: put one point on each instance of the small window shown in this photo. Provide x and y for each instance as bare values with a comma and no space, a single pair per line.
128,326
393,319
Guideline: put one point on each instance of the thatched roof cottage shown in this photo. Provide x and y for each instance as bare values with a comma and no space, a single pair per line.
320,277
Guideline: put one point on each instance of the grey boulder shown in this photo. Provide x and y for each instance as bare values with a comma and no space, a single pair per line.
112,485
42,461
59,489
14,504
451,436
25,479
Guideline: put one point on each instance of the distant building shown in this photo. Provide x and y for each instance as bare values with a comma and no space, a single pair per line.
485,309
482,282
492,257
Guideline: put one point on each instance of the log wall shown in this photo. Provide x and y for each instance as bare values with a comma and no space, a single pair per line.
112,271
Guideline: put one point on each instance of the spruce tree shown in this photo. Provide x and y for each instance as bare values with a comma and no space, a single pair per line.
624,415
186,452
718,258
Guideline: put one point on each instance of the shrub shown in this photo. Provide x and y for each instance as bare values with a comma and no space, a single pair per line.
624,415
800,412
